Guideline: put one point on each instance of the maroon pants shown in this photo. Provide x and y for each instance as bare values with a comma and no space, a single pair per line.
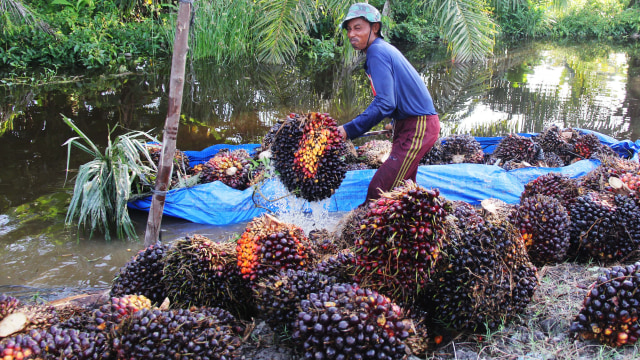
413,137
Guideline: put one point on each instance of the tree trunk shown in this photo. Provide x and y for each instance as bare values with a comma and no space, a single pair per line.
176,86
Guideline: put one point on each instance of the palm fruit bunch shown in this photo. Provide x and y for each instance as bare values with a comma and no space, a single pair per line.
278,295
349,226
375,152
484,278
201,272
604,227
229,167
268,245
586,145
544,224
340,266
598,178
552,160
322,242
434,156
518,148
553,142
462,148
348,322
181,166
558,186
308,155
39,316
142,275
55,343
632,180
8,304
270,136
399,240
464,212
175,334
610,309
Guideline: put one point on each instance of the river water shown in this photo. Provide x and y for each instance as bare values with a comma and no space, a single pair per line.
526,87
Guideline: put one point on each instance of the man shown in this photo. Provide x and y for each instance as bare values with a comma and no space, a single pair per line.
399,93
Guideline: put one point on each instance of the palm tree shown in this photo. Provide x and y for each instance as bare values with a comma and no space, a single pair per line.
14,12
466,25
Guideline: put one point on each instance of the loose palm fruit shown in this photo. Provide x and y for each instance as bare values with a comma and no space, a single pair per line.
609,311
544,224
142,275
268,246
348,322
399,240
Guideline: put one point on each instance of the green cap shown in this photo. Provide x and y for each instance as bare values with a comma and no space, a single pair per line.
369,12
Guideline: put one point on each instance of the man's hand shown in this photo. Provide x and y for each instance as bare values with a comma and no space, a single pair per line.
342,132
388,127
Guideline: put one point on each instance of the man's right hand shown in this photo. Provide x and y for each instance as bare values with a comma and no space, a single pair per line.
342,132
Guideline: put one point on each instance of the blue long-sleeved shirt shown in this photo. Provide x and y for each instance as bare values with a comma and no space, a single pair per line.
398,89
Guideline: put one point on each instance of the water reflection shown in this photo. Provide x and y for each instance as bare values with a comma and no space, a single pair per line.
525,88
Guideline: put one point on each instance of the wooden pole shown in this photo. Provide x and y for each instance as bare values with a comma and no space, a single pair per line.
176,85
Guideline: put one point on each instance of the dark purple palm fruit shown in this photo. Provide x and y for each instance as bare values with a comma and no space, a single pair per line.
142,274
278,295
518,148
340,266
399,241
544,224
175,334
465,213
462,148
434,156
604,227
485,278
609,311
586,145
348,322
552,142
7,305
229,167
558,186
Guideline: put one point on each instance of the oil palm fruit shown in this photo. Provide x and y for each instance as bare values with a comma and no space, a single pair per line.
464,213
201,272
485,278
558,186
461,148
55,343
552,142
8,304
586,145
348,322
374,152
434,156
609,311
268,246
544,224
142,274
181,166
278,295
399,240
175,334
604,226
518,148
340,266
308,153
229,167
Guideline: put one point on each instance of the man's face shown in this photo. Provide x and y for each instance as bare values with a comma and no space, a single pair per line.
358,31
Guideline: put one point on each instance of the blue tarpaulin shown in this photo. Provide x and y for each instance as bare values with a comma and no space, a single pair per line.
217,204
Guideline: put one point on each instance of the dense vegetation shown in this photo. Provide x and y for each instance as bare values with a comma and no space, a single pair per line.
124,35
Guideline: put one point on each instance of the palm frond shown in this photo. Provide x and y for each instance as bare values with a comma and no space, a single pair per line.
467,28
103,186
14,12
282,23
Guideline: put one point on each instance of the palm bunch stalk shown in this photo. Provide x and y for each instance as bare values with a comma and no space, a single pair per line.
104,185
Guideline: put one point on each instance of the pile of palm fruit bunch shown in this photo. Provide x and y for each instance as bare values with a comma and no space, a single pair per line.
463,148
609,312
484,278
563,146
544,224
142,275
516,151
307,151
398,242
374,152
345,321
129,327
198,271
268,246
229,167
